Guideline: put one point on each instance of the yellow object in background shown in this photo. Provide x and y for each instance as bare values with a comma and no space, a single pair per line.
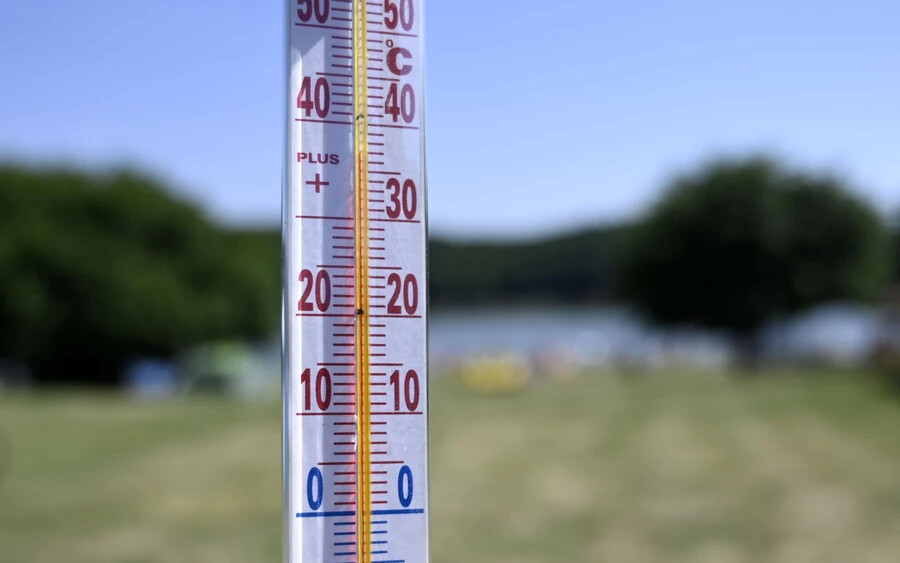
495,375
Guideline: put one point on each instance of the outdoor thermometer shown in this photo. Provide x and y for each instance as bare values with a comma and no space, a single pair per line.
355,366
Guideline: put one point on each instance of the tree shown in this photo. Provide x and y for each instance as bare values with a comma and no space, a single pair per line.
96,269
739,243
576,267
895,249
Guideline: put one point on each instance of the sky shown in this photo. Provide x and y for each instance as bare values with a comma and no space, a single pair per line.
542,116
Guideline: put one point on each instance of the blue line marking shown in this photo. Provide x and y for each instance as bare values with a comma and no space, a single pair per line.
379,552
343,543
398,511
343,533
345,553
391,561
379,522
344,523
326,514
342,513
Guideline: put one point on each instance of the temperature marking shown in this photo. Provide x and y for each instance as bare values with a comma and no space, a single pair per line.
355,370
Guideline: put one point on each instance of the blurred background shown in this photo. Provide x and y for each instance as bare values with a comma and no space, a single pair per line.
665,281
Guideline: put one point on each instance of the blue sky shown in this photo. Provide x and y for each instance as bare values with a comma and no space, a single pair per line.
541,115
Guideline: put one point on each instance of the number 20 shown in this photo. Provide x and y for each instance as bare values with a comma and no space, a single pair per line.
408,287
321,282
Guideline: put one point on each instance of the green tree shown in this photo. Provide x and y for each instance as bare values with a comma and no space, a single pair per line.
895,249
96,269
577,267
739,243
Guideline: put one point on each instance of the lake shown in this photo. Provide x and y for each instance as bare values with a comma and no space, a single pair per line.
838,333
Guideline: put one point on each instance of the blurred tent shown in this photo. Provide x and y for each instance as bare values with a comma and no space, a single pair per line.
14,375
841,334
232,368
151,378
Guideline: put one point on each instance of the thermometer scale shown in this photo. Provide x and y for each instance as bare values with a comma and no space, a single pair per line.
355,366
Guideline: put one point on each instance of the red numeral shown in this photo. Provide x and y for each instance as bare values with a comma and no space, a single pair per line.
402,14
307,8
401,102
316,97
410,390
409,289
322,284
322,391
403,199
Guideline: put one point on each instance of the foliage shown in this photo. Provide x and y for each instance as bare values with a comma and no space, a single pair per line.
578,267
98,268
895,250
738,243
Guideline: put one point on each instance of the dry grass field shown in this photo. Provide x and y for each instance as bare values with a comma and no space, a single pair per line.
790,469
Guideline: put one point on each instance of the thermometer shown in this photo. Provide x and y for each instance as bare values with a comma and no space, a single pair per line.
355,364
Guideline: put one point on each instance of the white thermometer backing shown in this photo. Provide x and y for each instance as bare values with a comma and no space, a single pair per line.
355,365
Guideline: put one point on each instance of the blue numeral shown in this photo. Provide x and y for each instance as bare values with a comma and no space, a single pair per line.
315,488
405,475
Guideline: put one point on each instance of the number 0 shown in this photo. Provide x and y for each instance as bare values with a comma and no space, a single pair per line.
405,481
315,488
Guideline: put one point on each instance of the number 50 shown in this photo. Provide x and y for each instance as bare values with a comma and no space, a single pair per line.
401,13
306,8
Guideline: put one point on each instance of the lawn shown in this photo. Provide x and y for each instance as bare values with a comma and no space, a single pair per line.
602,468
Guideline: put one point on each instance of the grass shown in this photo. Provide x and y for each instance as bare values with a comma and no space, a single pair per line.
677,468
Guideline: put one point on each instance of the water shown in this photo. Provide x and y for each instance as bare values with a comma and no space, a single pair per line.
591,335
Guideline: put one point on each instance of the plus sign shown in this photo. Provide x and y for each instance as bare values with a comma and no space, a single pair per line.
318,183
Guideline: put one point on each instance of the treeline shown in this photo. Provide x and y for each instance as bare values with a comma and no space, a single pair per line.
577,267
97,269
